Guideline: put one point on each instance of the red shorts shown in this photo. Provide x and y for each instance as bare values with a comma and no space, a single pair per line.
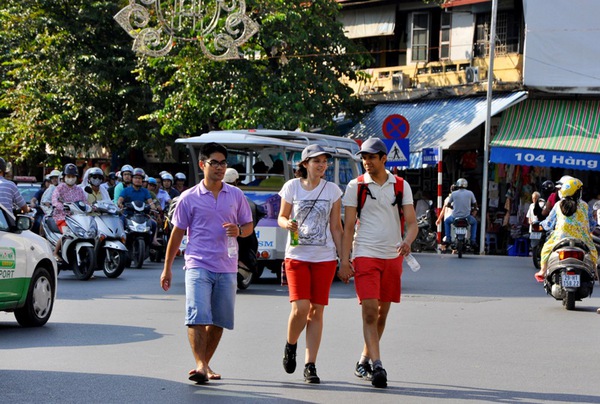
61,225
310,280
376,278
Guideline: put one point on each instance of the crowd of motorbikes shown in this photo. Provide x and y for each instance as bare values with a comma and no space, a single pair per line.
102,237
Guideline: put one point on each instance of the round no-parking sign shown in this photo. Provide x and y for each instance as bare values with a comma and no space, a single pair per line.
395,126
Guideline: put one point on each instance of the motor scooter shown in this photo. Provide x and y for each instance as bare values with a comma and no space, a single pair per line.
426,239
78,240
139,232
110,249
460,226
570,273
537,238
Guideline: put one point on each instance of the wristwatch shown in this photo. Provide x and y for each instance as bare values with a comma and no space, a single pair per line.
240,229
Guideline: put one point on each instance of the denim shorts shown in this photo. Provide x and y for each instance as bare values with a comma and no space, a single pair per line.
210,297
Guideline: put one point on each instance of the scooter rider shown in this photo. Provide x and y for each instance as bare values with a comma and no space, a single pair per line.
463,201
167,182
94,178
126,173
180,179
66,191
138,193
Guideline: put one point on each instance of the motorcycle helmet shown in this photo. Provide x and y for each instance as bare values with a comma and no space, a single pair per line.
70,169
112,175
548,187
569,187
54,173
125,168
152,180
462,183
167,177
139,172
180,177
563,179
95,176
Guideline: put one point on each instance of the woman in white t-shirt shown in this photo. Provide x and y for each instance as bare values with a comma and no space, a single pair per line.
312,207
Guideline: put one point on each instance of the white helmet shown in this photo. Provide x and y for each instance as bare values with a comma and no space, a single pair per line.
54,173
167,177
462,183
180,176
125,168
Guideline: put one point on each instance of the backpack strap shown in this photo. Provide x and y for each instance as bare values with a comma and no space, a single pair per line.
398,192
361,194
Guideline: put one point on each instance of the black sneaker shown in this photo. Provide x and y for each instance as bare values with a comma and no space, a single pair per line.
379,377
363,370
289,358
310,374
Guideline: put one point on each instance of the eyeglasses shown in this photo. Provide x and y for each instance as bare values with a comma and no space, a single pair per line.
215,163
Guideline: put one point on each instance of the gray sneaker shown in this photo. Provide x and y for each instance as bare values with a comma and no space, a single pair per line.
364,371
379,377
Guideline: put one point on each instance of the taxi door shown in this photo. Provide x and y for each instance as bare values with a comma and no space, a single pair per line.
14,279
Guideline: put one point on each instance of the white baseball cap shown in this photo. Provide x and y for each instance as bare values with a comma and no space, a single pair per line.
231,175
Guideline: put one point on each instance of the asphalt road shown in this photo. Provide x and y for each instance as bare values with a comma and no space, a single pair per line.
479,329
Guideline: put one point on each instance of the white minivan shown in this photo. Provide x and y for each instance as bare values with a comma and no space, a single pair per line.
253,151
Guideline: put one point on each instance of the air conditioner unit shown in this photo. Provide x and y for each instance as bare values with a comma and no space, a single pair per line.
472,74
399,81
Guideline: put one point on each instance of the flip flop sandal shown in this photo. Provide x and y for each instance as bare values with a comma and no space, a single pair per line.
197,377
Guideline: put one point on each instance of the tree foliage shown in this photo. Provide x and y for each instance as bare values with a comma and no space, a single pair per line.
69,80
66,80
293,83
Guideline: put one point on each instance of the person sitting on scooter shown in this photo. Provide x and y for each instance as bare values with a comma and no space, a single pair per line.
569,218
138,193
66,191
91,184
463,201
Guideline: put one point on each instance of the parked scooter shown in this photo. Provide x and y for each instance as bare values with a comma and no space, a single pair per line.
426,239
77,249
139,232
570,273
110,250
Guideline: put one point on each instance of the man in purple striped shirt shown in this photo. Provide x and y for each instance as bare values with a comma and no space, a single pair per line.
213,213
9,193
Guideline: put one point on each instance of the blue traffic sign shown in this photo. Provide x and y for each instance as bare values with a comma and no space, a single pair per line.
398,152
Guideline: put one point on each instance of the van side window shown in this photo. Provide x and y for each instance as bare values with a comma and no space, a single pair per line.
3,223
346,174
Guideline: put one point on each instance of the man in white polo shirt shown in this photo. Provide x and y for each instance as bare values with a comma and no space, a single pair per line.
377,249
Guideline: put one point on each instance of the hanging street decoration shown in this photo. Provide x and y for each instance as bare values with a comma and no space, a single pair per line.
219,27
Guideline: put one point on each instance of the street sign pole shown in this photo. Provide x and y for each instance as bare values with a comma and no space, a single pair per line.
439,198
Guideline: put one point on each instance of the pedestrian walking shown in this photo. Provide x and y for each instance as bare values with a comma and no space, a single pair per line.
372,232
213,213
311,207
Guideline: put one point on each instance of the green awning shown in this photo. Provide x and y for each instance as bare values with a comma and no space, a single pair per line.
552,133
551,125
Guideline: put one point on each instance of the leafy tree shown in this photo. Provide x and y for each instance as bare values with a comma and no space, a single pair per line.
66,81
295,82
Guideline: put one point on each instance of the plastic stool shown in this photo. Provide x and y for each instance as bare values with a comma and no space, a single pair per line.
491,239
522,247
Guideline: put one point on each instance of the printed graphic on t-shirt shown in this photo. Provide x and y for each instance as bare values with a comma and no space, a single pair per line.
313,222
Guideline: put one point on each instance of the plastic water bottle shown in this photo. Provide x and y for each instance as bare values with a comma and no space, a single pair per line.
412,262
293,236
232,247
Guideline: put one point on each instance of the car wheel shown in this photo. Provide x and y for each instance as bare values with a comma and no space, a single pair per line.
39,302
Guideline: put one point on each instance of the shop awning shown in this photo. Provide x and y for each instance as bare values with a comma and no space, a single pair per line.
435,123
551,133
369,22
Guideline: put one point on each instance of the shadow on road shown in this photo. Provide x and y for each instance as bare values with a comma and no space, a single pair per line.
61,335
24,386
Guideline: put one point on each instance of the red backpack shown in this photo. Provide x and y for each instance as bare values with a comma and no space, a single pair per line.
363,190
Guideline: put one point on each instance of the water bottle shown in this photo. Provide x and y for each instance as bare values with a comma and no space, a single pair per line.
412,262
232,247
293,236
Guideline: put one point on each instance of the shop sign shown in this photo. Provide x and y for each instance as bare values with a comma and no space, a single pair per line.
431,155
546,158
